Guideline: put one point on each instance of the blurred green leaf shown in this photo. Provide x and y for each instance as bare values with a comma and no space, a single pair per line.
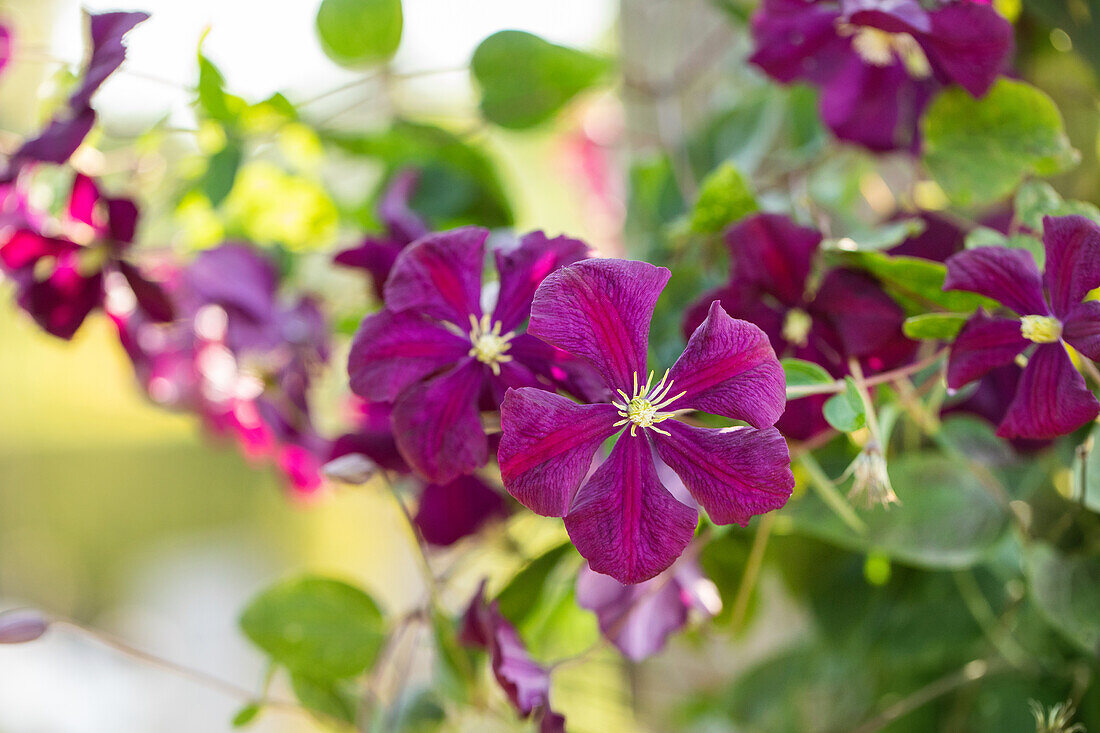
845,411
979,150
524,590
1037,199
317,626
723,561
246,715
454,661
725,196
1092,471
525,80
221,172
1066,590
358,33
214,101
916,284
885,236
328,697
934,326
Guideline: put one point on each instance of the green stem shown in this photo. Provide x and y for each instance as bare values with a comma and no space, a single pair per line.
828,492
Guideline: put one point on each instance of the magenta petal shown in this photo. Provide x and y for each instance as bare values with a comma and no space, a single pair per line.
637,619
55,144
390,351
401,221
1081,329
970,44
573,374
83,200
982,345
867,320
734,474
437,424
24,248
729,368
774,254
449,512
1052,398
600,310
1073,260
797,40
1008,276
547,447
122,215
624,522
893,16
440,276
61,302
875,106
524,267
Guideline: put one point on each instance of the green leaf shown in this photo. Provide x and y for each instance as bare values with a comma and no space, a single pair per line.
1037,199
885,236
328,697
979,150
985,237
221,172
357,33
317,626
523,591
934,326
1066,591
1091,498
246,715
214,101
725,196
845,411
915,284
525,80
801,373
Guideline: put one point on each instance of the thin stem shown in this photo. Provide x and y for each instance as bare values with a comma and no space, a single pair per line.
828,492
752,569
840,385
865,397
418,538
982,612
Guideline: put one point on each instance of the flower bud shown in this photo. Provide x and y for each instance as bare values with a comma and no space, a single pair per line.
871,482
22,625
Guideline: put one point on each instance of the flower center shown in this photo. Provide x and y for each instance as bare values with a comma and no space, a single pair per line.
796,326
880,48
643,408
489,345
1041,329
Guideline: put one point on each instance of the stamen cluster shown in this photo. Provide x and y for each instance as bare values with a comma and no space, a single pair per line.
643,408
489,345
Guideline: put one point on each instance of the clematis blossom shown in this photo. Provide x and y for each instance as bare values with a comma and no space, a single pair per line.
439,357
1051,398
623,520
878,63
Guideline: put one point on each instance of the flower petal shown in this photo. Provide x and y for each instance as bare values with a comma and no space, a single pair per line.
524,267
600,310
877,107
437,424
797,40
373,438
547,446
449,512
1073,260
570,373
867,320
728,368
983,344
771,252
235,276
734,474
1081,329
390,351
24,248
375,255
61,302
1008,276
893,16
970,44
624,522
1052,398
108,52
83,200
401,221
440,276
151,297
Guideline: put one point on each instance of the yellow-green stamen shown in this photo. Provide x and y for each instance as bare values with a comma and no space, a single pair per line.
490,346
796,326
643,408
879,48
1041,329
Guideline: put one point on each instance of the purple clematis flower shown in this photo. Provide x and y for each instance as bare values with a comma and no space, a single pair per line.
525,681
1051,398
879,62
440,358
623,520
771,260
377,254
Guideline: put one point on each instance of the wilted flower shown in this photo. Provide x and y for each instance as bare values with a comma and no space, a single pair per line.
870,479
623,520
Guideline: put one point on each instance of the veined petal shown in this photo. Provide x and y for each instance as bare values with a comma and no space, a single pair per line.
449,512
624,522
1051,400
393,350
440,276
970,44
982,345
524,267
575,375
734,474
1081,329
437,424
729,368
1072,246
600,310
547,446
771,252
1008,276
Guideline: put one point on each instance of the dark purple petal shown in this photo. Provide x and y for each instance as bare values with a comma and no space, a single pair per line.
970,44
440,276
893,16
373,438
56,143
390,351
1072,246
234,276
449,512
1081,329
940,239
61,302
108,52
795,40
624,522
570,373
600,310
734,474
547,446
402,223
982,345
877,107
151,297
866,319
771,252
122,217
524,267
728,368
24,248
374,255
1008,276
437,424
1052,398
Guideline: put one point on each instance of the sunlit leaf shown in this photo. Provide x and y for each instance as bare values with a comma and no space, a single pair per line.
934,326
359,32
845,411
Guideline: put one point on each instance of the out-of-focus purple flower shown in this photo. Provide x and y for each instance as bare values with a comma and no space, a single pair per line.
524,681
1052,398
377,253
639,619
68,128
5,46
849,315
61,279
623,520
441,359
879,62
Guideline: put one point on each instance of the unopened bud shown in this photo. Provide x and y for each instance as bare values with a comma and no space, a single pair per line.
353,468
22,625
871,482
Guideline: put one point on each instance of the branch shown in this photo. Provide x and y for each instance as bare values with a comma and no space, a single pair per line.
797,392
